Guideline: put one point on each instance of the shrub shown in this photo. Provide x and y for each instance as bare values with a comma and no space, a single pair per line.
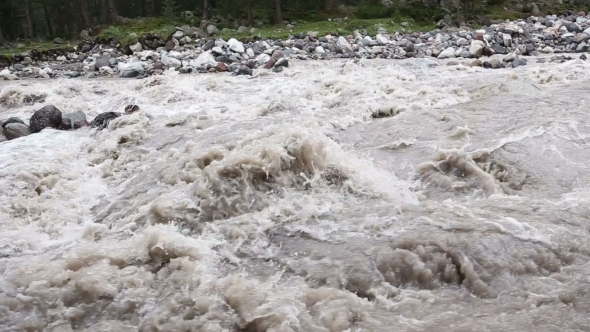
374,11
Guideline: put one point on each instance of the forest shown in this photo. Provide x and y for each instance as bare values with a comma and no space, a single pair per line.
48,19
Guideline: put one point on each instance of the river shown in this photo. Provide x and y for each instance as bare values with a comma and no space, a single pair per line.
278,203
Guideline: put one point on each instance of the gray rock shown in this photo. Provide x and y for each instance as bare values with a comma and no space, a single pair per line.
518,62
16,130
113,61
77,66
102,120
209,45
282,63
11,120
245,70
212,30
11,77
73,121
499,49
178,34
242,29
102,62
345,45
581,37
48,116
132,69
410,47
18,67
495,63
447,53
573,27
582,47
135,47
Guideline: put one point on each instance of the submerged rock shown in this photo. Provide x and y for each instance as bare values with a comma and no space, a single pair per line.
15,130
75,120
102,120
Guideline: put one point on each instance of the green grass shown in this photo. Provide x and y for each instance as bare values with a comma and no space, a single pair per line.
335,28
34,45
128,32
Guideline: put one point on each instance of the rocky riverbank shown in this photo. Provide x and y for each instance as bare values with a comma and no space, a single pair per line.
500,44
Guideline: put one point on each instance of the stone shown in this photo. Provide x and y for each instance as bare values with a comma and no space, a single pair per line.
499,49
282,63
18,67
4,72
476,48
250,53
461,42
573,27
61,58
132,69
583,57
87,48
205,60
507,39
178,34
495,63
320,50
171,62
48,116
11,77
11,120
16,130
535,9
106,71
277,54
212,30
101,62
476,63
262,58
235,45
582,47
135,48
221,67
75,120
410,47
381,39
245,70
344,45
217,50
581,37
102,120
518,62
447,53
209,45
510,57
170,45
130,109
242,29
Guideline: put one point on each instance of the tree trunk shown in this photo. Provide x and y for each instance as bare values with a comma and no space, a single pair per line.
278,15
111,11
48,20
30,20
85,13
329,4
205,9
1,37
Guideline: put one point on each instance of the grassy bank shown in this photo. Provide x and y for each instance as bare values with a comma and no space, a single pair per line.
128,32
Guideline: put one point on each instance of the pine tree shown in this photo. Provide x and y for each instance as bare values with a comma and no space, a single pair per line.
169,8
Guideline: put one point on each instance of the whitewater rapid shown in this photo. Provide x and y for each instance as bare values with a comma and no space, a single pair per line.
279,203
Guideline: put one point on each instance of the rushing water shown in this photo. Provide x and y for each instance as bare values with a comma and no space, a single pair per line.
276,203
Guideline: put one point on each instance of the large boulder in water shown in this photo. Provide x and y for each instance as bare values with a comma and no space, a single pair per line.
102,120
75,120
48,116
132,69
15,130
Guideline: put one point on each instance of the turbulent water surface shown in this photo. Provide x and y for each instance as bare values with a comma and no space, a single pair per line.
278,203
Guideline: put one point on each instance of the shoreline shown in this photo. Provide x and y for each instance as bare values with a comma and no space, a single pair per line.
185,52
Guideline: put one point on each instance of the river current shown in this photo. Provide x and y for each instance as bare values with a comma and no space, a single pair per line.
334,196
